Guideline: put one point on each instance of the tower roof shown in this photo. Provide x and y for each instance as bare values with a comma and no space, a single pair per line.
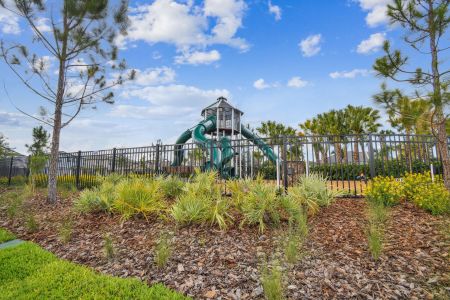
221,102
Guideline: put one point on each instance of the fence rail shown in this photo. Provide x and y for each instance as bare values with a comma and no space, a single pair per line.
347,161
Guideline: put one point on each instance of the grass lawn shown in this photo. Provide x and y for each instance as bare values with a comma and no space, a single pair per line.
6,236
29,272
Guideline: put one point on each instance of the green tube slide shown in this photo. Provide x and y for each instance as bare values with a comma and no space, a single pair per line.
198,136
222,153
260,143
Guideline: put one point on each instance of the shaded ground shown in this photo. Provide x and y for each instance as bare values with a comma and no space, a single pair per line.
208,263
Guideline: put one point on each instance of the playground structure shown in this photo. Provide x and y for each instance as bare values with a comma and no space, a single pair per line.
220,126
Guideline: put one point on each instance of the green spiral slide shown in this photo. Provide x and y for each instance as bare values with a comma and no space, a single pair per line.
221,154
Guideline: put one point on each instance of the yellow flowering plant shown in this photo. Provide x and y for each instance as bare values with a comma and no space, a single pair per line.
385,190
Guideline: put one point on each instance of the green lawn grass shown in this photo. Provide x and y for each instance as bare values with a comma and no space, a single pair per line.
6,236
29,272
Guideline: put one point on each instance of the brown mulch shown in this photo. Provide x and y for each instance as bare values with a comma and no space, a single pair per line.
208,263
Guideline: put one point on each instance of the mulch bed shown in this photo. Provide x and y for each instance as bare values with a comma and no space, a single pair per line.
208,263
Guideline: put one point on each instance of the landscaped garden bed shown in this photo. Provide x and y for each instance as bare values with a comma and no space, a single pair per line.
245,261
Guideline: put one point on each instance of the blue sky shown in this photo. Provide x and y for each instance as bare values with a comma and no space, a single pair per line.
276,60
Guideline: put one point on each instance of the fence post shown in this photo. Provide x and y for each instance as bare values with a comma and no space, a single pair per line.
211,163
77,174
10,170
157,158
113,164
371,157
285,165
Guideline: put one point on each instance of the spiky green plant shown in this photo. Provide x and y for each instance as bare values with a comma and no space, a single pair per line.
260,205
272,281
136,196
108,246
172,186
312,192
163,250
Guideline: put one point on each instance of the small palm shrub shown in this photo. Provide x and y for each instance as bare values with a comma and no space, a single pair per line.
172,186
260,205
385,190
89,201
312,192
238,189
139,197
201,202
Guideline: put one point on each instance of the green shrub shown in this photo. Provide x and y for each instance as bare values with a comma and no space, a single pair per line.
139,197
381,167
260,205
268,170
172,186
385,190
312,192
6,236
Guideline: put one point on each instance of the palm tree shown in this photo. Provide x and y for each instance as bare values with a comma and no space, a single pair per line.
405,114
311,127
334,123
360,120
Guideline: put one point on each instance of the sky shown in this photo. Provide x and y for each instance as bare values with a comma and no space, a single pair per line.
281,60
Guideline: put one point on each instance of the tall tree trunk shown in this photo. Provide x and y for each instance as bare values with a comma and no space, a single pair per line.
54,152
437,100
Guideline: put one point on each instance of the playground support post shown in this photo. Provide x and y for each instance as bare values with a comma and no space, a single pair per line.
10,170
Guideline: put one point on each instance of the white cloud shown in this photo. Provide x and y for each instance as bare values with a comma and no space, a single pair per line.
167,101
260,84
311,45
377,10
187,25
275,10
175,94
43,25
228,15
198,57
372,44
154,76
9,22
349,74
296,82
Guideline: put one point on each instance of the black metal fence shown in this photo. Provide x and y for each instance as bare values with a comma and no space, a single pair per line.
347,161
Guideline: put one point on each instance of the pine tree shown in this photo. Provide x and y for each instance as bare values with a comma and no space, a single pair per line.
80,39
425,23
